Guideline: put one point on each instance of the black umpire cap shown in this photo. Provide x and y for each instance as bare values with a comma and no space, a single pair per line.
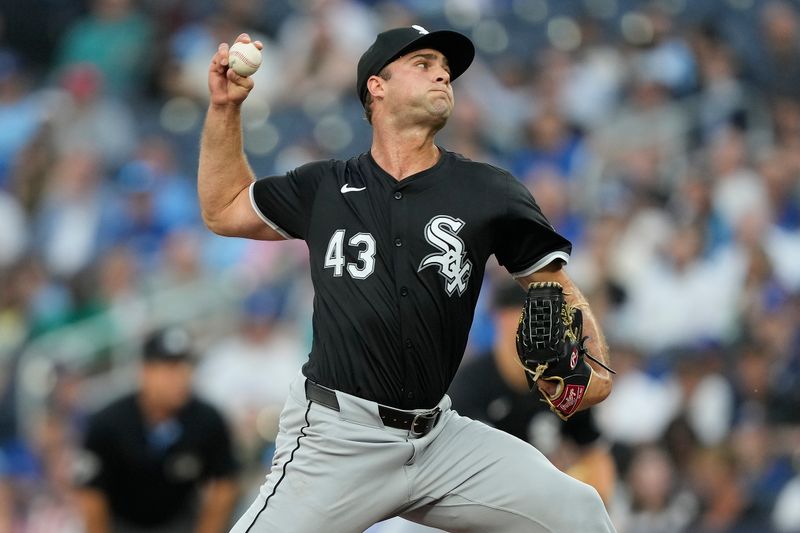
391,44
169,344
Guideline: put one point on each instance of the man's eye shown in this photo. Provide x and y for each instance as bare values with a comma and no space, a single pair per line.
422,64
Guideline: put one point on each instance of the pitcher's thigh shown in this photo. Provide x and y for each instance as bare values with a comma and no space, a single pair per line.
328,475
508,485
285,514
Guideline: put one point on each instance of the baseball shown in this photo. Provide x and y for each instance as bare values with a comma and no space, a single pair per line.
244,58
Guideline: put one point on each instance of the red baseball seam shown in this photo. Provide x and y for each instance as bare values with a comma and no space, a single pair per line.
246,61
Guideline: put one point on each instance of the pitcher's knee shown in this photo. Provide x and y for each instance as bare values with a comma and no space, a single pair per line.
589,512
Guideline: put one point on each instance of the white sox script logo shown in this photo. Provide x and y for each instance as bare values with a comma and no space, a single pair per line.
442,232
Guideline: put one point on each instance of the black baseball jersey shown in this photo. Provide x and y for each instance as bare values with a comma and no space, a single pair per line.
397,265
480,392
151,475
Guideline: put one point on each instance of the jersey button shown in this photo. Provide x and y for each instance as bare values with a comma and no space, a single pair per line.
398,195
398,243
410,395
408,343
403,291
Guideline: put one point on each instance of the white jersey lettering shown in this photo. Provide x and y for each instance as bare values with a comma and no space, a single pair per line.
442,232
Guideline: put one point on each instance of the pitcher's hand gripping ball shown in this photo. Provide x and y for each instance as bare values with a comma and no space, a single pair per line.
244,58
550,346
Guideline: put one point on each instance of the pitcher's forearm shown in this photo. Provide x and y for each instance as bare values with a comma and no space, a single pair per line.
596,343
600,385
223,171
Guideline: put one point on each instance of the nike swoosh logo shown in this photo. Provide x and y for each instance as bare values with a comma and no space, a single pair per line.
346,188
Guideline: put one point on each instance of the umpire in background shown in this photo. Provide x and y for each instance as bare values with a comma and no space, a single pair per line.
158,459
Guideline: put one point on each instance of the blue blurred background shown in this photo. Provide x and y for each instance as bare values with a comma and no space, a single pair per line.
662,138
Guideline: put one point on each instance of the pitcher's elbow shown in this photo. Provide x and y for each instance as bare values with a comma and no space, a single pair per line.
212,222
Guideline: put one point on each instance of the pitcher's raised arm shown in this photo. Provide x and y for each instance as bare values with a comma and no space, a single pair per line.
224,175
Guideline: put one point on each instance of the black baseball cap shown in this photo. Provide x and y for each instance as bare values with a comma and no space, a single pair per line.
173,343
391,44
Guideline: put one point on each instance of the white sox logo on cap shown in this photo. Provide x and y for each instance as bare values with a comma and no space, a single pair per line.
442,232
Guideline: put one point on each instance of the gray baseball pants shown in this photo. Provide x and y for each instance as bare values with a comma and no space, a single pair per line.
341,472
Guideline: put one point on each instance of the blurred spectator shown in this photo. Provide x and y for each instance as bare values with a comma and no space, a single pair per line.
724,505
80,114
665,57
553,147
247,374
665,297
776,334
174,191
30,173
592,265
465,134
724,100
737,191
329,35
42,301
692,205
782,189
179,262
783,248
644,141
140,224
114,37
53,505
708,398
623,417
592,86
552,193
75,220
751,379
158,459
776,67
21,112
501,89
655,501
763,468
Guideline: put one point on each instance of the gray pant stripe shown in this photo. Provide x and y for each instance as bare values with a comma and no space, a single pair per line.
291,456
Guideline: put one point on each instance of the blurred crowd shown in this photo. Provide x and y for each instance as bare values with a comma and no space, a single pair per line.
661,137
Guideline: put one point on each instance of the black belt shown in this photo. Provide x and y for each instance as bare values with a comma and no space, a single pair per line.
418,424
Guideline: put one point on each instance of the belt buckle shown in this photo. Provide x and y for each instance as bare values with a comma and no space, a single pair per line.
428,419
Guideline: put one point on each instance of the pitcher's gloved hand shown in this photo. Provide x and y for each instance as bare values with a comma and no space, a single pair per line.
550,346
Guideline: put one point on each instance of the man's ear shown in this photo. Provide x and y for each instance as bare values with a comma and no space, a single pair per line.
376,86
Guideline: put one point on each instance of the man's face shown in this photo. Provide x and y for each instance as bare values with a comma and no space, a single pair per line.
419,88
167,384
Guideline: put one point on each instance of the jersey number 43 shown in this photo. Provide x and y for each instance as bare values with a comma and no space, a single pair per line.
365,262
